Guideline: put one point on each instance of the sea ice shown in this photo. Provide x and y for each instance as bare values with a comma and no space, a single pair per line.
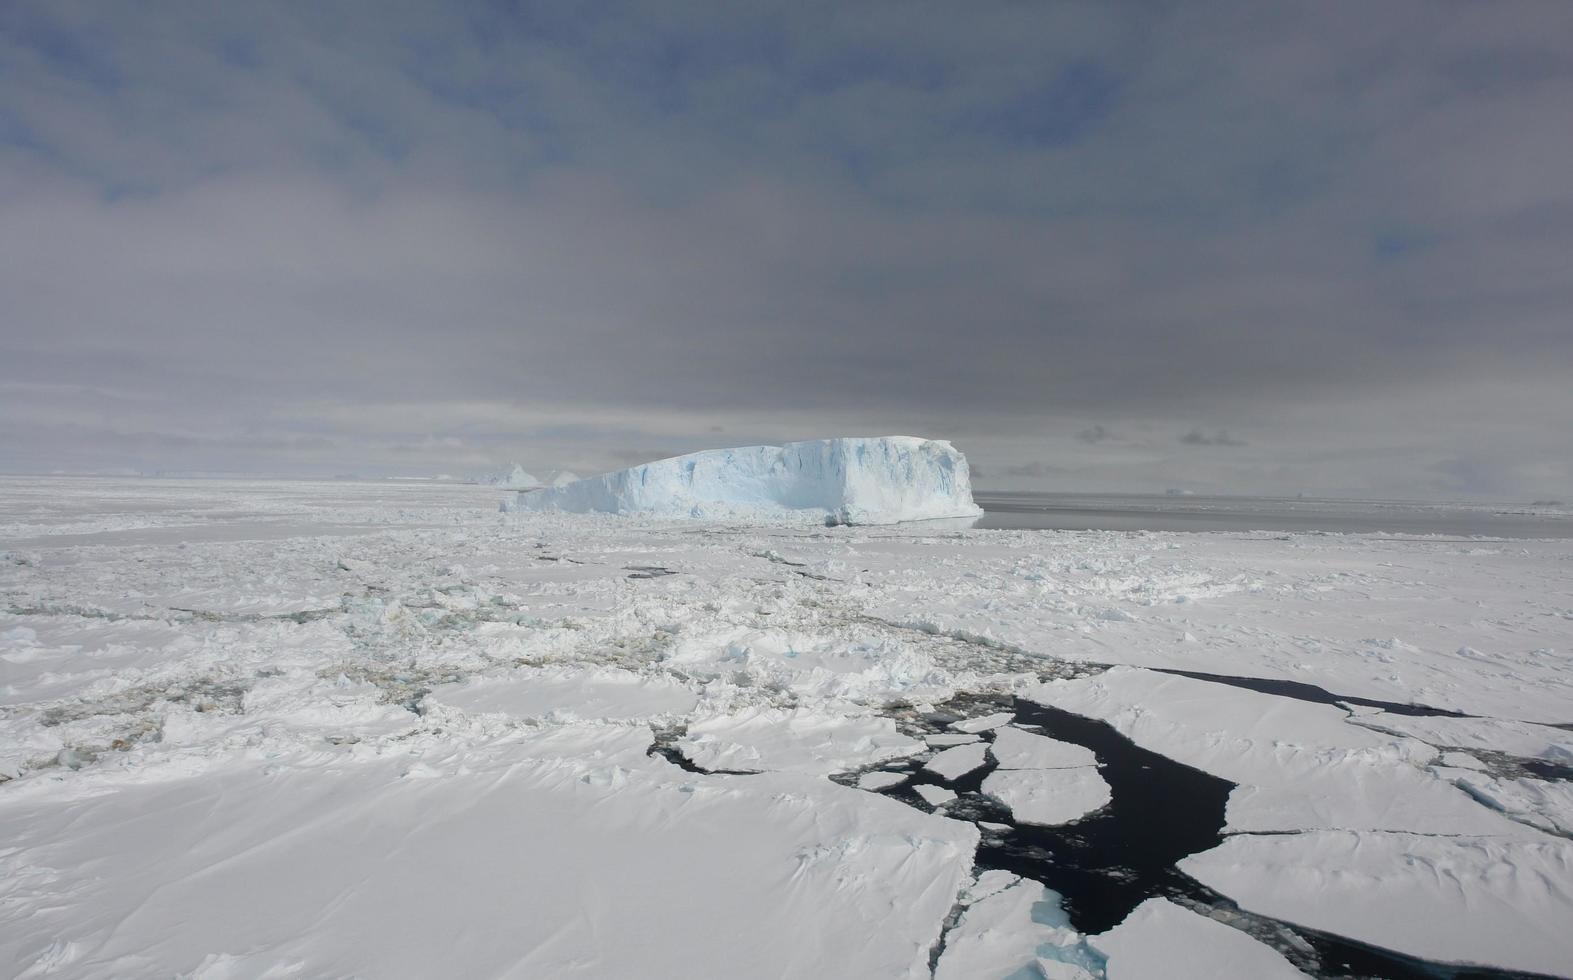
215,688
984,723
1539,803
1520,738
878,780
1007,926
1161,939
1477,900
594,861
1299,766
881,480
943,740
761,739
1048,797
1015,749
848,663
934,795
562,693
951,764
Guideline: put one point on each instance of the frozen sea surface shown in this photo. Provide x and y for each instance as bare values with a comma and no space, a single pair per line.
381,729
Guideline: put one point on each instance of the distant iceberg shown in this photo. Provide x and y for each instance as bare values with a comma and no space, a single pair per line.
517,477
882,480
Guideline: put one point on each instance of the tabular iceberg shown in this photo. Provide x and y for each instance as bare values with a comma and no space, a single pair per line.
881,480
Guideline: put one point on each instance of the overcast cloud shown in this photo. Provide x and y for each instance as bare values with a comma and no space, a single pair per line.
1306,247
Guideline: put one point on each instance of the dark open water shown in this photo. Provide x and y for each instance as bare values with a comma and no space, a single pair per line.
1135,512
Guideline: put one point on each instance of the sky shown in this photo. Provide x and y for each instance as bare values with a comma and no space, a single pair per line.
1316,247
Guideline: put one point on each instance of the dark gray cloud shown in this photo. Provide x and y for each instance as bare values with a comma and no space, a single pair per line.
368,237
1094,434
1220,437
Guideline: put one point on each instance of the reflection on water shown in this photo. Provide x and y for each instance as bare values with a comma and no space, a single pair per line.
1136,512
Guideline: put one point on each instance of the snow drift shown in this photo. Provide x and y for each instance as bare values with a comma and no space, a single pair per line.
880,480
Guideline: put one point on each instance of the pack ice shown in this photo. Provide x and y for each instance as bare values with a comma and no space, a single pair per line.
350,728
883,480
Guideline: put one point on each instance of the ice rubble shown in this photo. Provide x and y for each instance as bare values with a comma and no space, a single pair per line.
882,480
559,693
761,739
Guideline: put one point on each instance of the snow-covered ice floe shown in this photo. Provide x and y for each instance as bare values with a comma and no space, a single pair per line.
574,855
1048,797
1161,939
953,763
882,480
1011,926
362,729
1479,900
1298,766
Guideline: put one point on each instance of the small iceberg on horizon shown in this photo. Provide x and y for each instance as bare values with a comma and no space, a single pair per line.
875,480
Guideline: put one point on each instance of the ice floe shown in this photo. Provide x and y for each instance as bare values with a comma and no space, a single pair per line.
1477,900
985,723
1015,749
1299,766
1161,939
590,861
953,763
1012,926
934,795
1048,797
878,780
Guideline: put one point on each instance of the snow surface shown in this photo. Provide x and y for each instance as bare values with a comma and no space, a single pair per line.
561,693
1048,797
876,781
577,857
954,763
793,740
1477,900
984,723
212,689
1539,803
943,739
1015,749
1161,939
1012,926
881,480
1518,738
1299,766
